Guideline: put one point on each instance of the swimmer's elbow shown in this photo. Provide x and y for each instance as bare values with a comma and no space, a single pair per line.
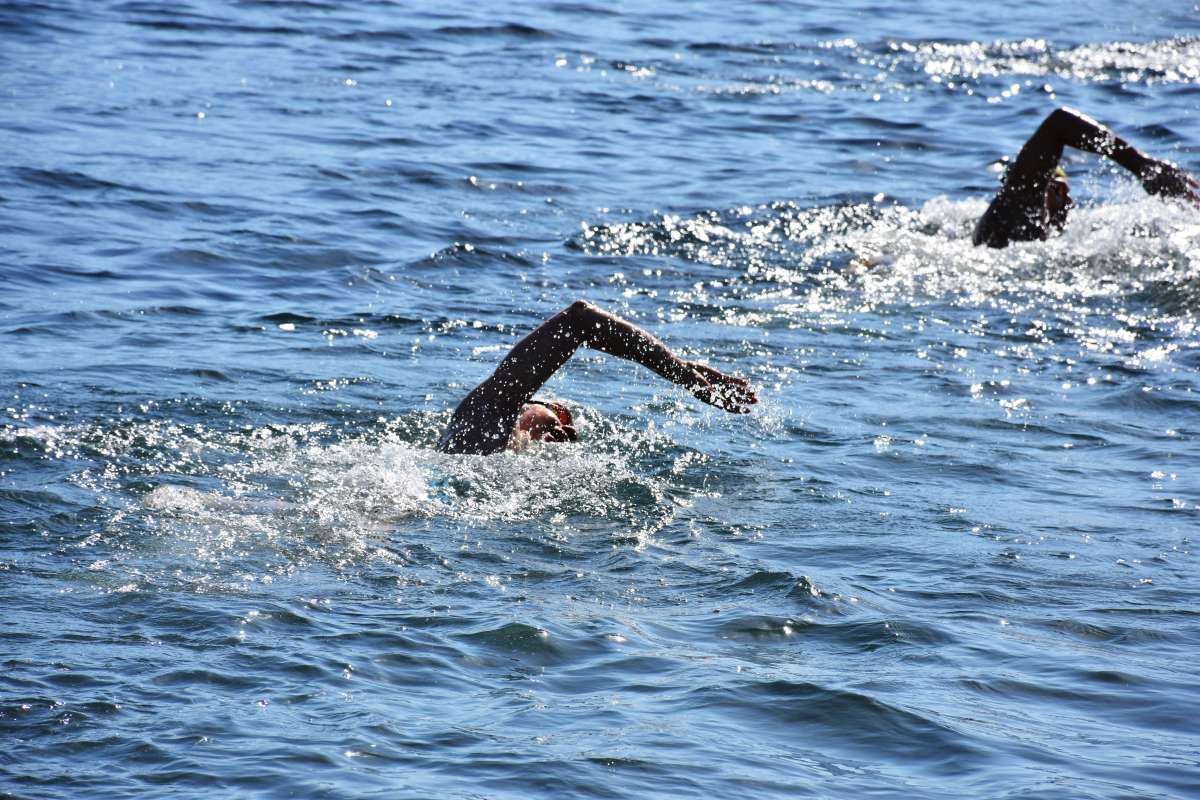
580,309
1070,125
1064,115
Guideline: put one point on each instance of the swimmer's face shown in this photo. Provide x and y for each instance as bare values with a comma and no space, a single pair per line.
1058,202
546,423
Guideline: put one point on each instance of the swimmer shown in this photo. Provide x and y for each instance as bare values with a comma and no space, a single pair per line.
1034,198
501,412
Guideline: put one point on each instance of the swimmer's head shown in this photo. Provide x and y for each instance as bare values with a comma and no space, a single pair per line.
1058,199
544,421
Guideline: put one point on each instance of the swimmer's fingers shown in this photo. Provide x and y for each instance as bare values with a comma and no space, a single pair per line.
726,392
739,393
1169,180
715,375
723,398
1193,193
1188,187
735,387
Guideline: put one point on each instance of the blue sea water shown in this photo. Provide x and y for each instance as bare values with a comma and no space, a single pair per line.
252,254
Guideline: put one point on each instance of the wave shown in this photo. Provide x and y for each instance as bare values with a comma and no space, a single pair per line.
1174,60
232,504
786,259
900,66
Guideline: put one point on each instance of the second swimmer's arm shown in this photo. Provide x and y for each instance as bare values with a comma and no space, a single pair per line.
1035,163
1017,209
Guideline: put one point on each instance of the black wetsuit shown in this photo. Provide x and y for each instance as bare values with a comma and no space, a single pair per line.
1013,216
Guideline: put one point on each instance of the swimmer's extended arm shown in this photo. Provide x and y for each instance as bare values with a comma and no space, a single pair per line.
1036,162
1016,211
485,418
540,354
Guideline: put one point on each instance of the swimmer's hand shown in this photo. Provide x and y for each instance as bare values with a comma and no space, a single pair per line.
726,392
1169,180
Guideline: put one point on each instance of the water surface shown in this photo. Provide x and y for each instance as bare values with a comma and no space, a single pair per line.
253,253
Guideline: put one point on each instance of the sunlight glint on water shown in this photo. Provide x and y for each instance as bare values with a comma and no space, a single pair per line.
254,254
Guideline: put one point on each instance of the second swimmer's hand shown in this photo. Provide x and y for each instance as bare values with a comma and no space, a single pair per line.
1169,180
726,392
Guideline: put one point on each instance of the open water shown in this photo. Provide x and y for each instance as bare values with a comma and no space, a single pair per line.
252,254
